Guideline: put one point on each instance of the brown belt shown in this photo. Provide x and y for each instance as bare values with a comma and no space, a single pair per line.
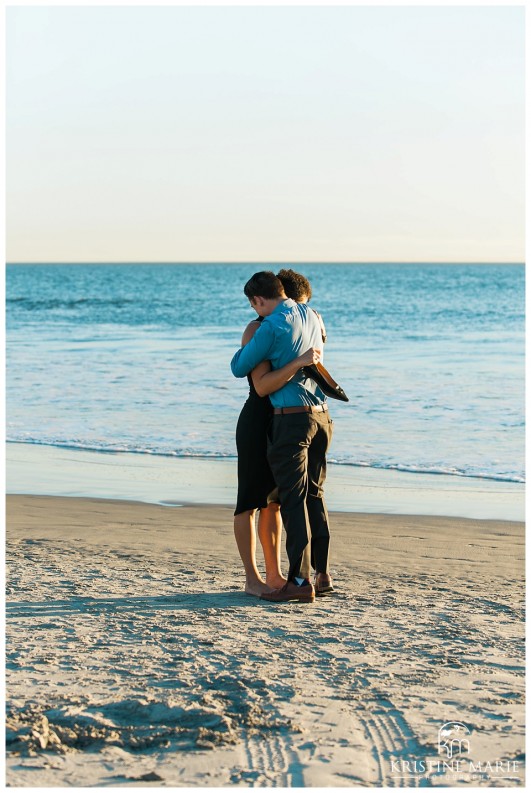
302,409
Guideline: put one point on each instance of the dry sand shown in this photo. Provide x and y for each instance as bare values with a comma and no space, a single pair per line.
135,659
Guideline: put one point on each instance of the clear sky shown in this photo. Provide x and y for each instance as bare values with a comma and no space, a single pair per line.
295,133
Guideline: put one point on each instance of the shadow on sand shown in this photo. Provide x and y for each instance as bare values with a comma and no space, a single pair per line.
190,601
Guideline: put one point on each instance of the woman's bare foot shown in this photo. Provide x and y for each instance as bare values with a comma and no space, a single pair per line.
257,587
276,581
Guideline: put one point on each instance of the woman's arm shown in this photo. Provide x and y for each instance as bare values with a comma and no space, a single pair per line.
266,380
249,331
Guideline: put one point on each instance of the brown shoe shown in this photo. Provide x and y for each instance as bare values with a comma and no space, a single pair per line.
290,591
323,585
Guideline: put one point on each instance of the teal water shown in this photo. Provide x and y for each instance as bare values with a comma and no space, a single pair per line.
135,358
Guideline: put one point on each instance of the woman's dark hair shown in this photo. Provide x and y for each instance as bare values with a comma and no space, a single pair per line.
264,284
295,285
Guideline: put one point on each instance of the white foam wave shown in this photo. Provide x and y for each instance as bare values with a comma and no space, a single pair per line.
215,455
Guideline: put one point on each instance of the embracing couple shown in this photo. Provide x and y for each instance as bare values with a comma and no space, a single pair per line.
282,437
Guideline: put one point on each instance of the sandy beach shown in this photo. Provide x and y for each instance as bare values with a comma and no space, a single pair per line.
135,659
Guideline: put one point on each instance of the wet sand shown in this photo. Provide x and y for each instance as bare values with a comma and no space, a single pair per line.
135,658
155,479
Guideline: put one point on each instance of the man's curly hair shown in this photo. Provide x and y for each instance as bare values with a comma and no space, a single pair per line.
295,285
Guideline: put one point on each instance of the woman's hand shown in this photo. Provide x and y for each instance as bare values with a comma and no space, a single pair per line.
313,355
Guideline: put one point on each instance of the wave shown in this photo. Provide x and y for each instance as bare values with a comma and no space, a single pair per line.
46,304
434,470
217,455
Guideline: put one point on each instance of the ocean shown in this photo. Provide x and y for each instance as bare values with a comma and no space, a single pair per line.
135,358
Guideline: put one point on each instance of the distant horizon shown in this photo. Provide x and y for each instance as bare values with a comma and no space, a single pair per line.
269,262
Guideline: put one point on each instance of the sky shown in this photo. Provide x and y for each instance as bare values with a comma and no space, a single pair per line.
265,133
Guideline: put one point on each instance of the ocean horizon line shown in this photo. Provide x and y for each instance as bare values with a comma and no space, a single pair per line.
295,262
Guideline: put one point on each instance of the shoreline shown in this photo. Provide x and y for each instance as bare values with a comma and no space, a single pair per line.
48,470
135,657
128,504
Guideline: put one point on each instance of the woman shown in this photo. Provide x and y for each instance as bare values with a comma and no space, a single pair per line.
256,485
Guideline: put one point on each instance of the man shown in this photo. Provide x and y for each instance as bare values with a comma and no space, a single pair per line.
300,434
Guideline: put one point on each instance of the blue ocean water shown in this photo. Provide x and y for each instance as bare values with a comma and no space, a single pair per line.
136,358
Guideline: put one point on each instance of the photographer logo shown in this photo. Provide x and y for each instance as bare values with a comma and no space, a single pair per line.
453,740
454,762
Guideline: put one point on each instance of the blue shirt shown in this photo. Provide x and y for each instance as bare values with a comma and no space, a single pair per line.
291,329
